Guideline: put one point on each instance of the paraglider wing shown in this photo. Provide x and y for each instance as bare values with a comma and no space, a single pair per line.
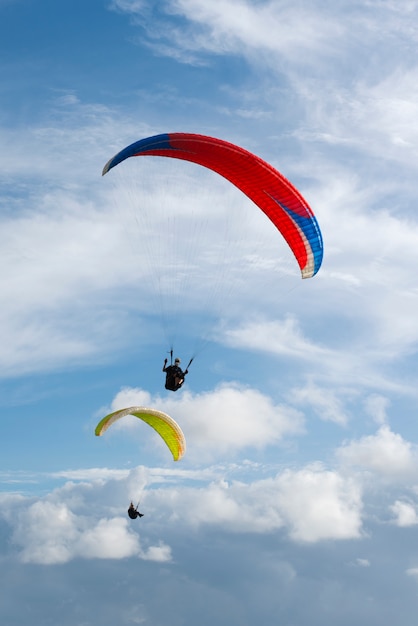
165,426
261,182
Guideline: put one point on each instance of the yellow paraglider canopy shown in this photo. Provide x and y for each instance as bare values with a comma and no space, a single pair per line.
165,426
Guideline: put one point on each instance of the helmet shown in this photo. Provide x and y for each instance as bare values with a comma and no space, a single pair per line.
177,361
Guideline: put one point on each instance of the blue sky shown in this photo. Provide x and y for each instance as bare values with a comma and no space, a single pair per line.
297,499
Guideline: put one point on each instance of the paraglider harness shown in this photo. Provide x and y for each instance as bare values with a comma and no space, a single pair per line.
133,512
175,375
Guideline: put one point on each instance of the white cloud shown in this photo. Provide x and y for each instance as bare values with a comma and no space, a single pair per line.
56,262
386,454
262,31
82,520
93,474
329,96
287,37
327,404
376,406
49,532
405,513
348,361
225,421
69,294
109,539
357,318
46,532
160,553
383,111
374,248
71,523
285,338
241,26
319,504
311,505
76,273
130,6
284,37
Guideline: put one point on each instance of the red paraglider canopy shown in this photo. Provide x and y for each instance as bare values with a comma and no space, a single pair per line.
261,182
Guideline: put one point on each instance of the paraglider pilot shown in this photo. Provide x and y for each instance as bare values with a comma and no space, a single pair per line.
133,512
174,375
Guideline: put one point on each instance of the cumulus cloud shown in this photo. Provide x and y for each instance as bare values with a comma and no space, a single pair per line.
109,539
160,553
386,454
344,81
405,513
51,533
46,531
83,521
310,505
71,523
229,419
320,504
